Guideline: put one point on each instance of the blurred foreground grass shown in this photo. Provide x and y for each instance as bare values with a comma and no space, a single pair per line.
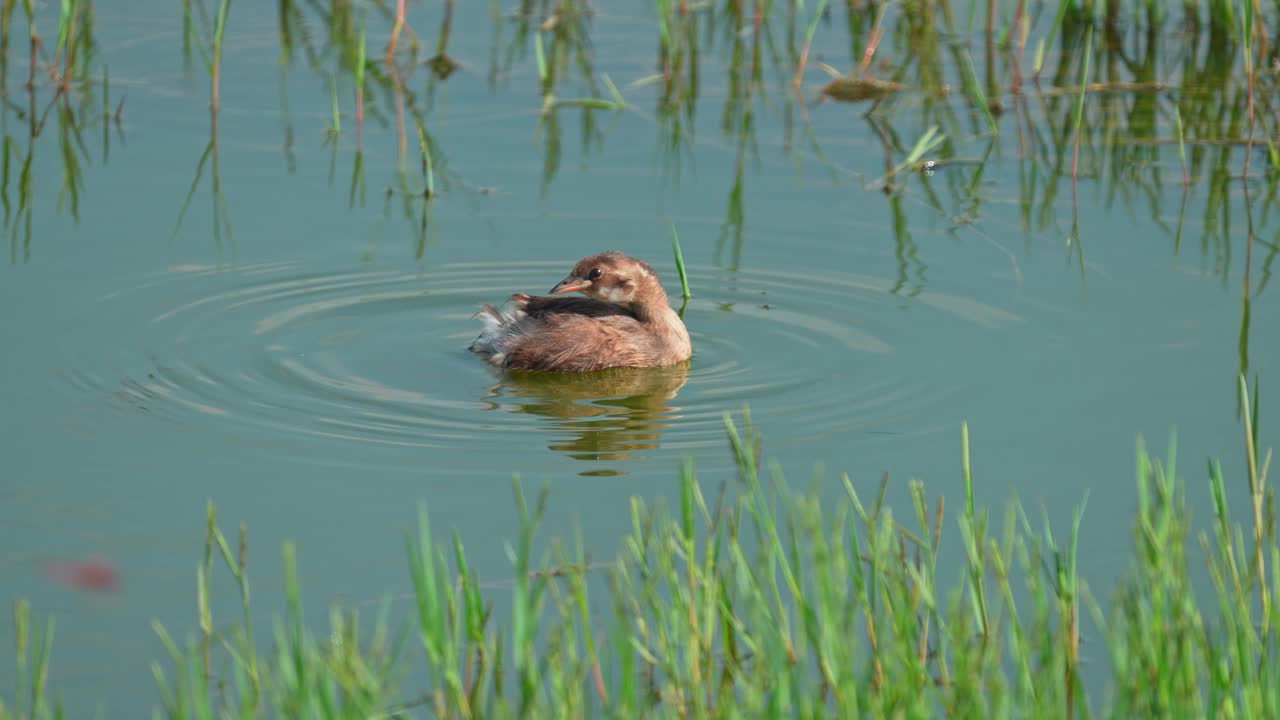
761,601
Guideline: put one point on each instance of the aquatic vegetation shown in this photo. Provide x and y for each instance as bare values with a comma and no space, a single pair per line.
68,71
33,645
680,270
761,599
194,18
1110,103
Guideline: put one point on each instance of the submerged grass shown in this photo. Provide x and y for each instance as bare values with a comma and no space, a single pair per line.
767,601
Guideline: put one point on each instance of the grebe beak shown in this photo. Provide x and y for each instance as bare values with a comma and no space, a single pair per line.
570,284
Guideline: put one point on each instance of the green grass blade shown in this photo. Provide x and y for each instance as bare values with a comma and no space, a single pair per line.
680,269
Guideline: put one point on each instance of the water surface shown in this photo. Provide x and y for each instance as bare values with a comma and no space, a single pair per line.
299,357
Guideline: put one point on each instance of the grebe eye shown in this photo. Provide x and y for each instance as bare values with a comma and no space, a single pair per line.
594,274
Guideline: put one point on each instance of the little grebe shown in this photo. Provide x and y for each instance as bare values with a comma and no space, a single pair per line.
624,321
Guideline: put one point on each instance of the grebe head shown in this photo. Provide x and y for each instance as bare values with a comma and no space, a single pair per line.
613,277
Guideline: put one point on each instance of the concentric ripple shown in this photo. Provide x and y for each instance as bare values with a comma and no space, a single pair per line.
377,357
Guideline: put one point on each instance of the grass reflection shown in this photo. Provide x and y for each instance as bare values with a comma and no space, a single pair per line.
1103,94
72,107
209,37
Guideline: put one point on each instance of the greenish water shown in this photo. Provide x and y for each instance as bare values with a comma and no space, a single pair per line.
303,361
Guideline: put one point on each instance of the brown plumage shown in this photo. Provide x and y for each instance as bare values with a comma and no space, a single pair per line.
624,321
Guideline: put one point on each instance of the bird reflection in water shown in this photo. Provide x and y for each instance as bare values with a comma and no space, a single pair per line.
610,415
